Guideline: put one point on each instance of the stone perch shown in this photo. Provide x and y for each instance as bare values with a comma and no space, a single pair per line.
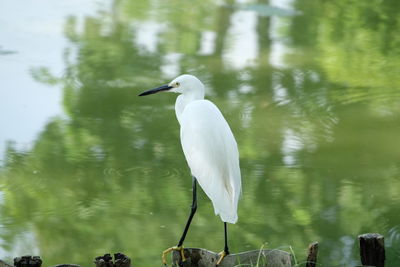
197,257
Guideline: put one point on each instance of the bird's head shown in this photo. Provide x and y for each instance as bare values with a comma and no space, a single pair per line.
183,84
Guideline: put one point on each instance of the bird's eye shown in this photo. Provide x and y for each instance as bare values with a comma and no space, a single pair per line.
177,84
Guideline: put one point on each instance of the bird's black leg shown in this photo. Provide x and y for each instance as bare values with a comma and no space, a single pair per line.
225,252
179,247
226,249
192,212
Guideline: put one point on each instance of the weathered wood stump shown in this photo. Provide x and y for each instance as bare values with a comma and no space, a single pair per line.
372,249
27,261
120,260
197,257
312,255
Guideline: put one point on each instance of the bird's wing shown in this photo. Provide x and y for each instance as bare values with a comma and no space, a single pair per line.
211,152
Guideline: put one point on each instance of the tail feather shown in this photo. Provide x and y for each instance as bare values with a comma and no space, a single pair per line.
225,204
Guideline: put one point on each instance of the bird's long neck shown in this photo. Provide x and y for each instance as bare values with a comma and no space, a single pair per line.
183,100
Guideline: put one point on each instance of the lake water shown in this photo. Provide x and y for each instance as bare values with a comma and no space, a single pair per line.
311,90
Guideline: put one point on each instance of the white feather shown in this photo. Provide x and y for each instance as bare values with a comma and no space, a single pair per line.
212,155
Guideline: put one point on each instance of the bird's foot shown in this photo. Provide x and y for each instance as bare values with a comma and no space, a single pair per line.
222,255
168,250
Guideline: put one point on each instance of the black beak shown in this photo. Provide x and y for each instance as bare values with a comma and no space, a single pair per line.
156,90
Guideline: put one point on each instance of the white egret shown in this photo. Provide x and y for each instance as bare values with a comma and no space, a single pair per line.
210,150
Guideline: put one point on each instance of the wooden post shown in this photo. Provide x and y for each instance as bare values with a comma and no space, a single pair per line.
312,255
372,249
198,257
104,261
120,260
27,261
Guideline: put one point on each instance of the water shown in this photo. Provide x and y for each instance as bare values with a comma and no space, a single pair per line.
310,89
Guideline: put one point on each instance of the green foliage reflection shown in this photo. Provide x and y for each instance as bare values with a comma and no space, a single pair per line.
316,164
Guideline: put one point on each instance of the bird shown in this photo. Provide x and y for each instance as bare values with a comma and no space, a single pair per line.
211,152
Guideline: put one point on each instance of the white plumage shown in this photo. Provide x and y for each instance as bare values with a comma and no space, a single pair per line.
209,146
211,152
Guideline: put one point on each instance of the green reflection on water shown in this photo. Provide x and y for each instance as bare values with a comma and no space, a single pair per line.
318,136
